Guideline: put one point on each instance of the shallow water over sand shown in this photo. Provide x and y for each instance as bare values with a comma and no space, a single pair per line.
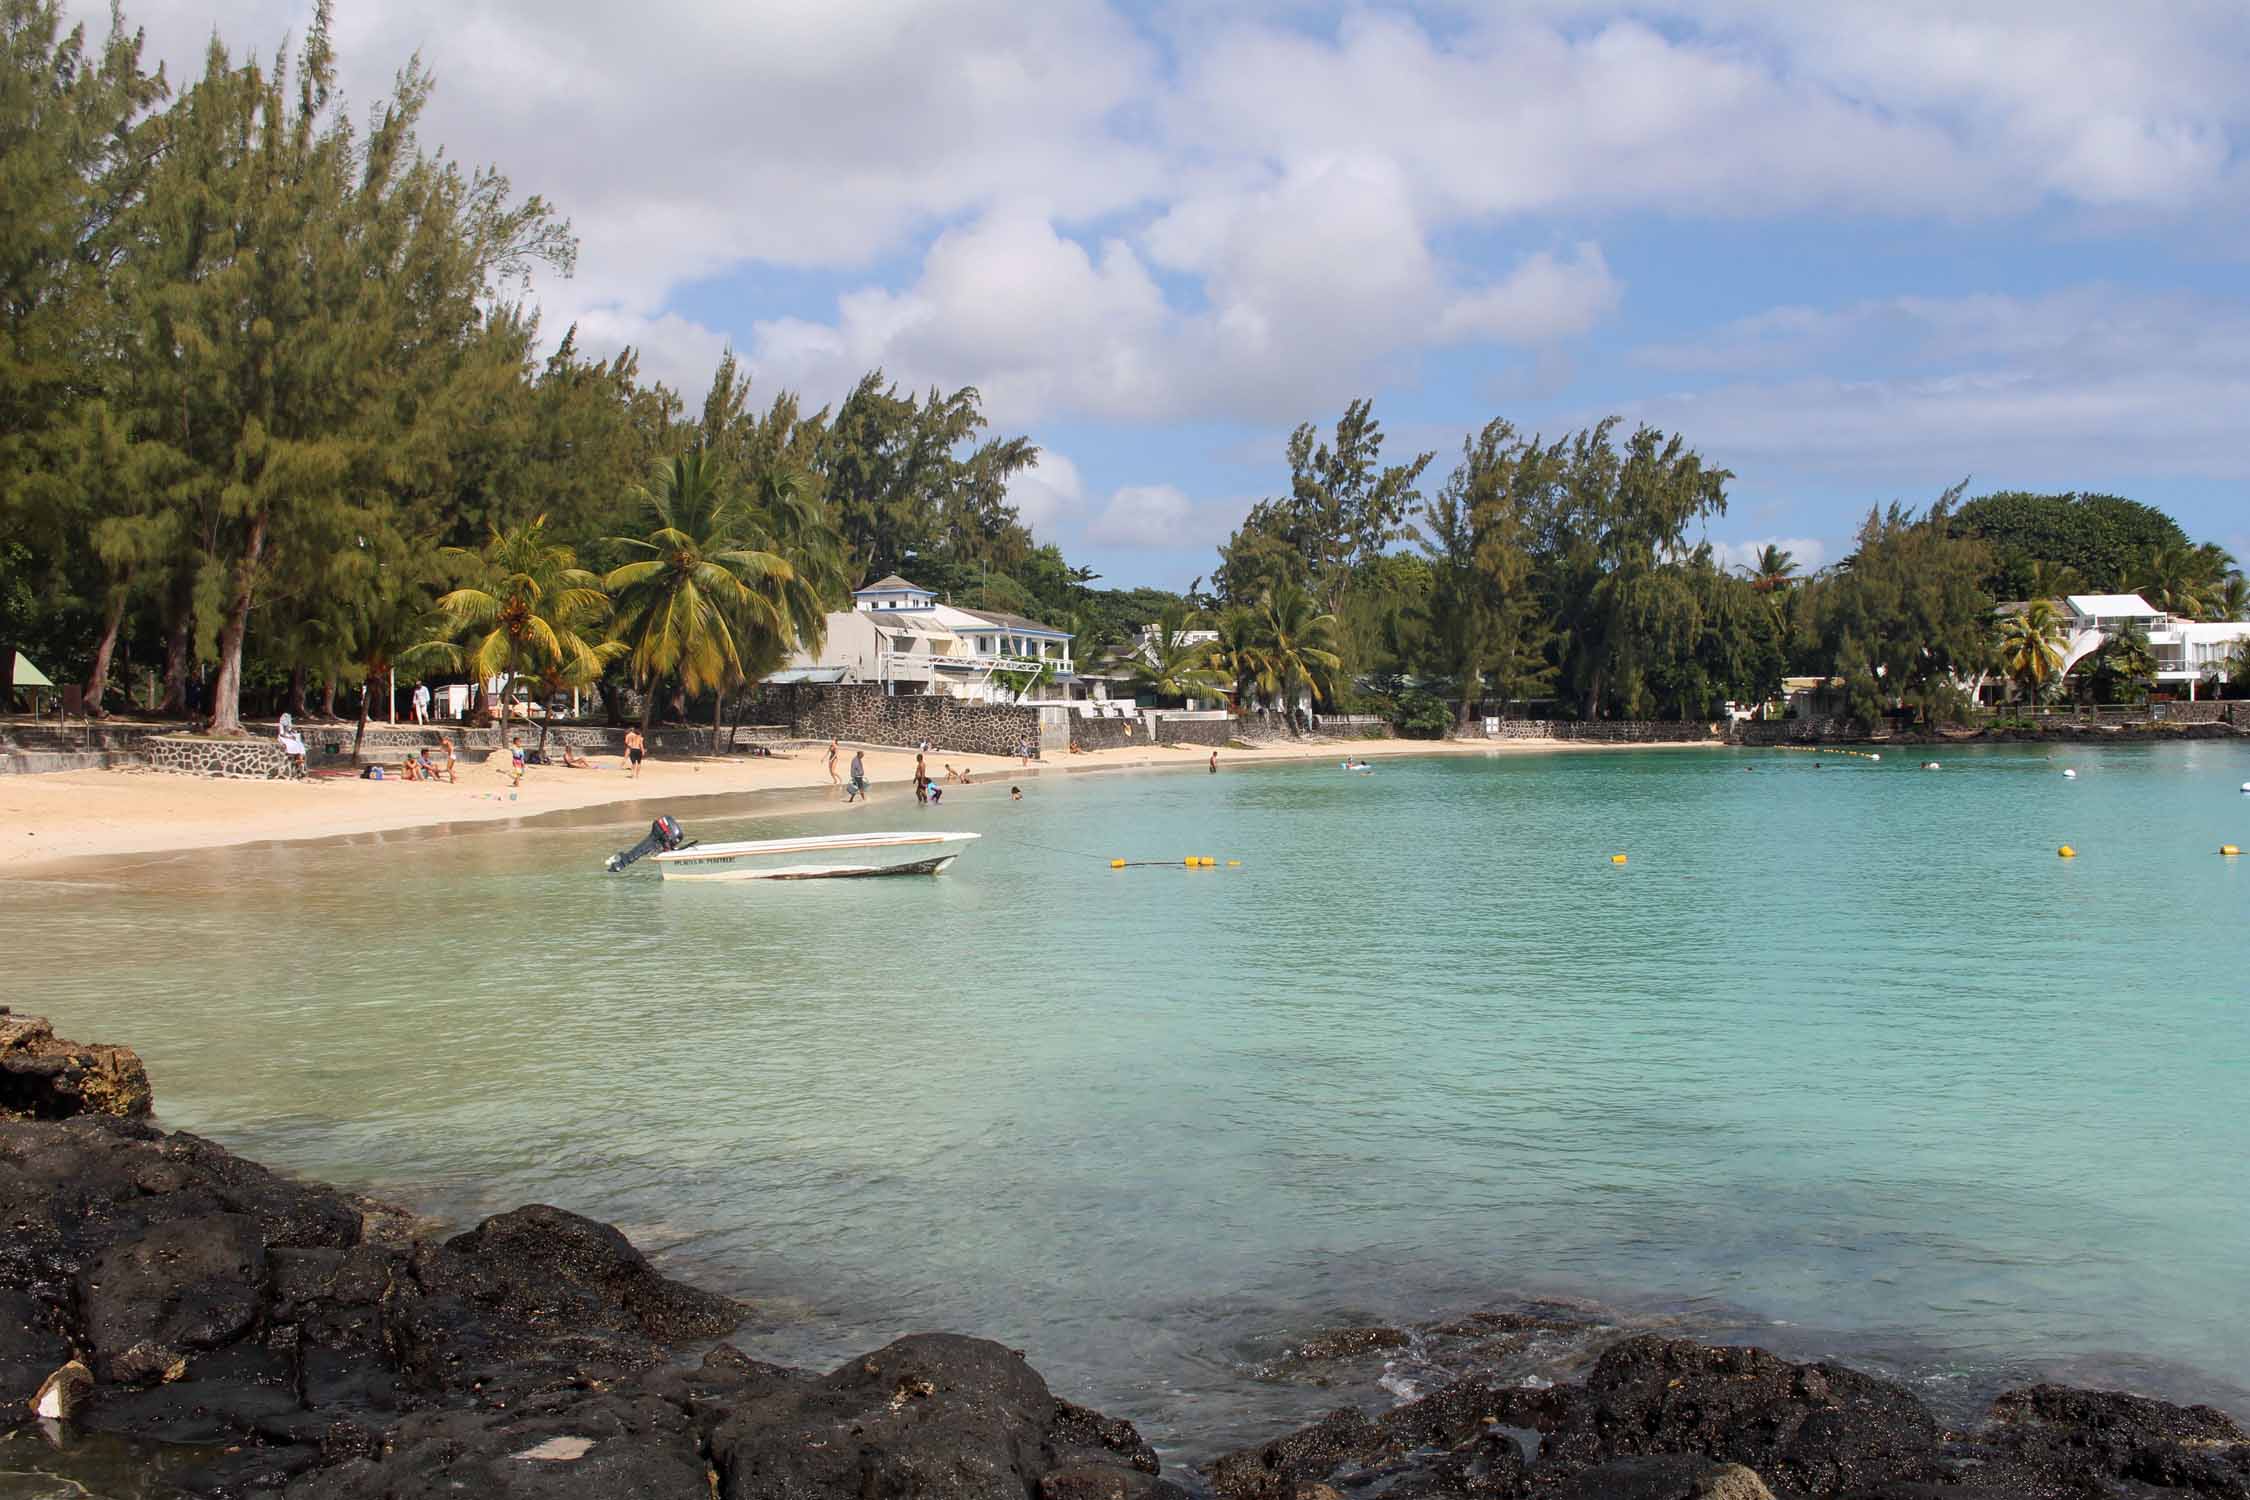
1844,1060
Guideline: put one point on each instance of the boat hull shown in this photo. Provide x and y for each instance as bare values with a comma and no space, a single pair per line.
822,857
935,866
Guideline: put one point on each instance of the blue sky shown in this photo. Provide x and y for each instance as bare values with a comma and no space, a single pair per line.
1854,252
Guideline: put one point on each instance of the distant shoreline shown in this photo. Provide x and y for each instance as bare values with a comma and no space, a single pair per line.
69,823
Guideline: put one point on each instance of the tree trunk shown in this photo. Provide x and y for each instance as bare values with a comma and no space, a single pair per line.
226,691
613,712
176,664
648,708
297,681
718,716
328,697
97,676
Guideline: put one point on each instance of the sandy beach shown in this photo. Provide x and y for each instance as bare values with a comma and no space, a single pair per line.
68,815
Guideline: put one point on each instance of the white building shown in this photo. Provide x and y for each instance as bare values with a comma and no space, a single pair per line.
897,634
2188,652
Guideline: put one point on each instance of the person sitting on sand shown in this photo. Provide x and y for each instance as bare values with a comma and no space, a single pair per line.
572,760
406,770
965,777
1075,749
950,773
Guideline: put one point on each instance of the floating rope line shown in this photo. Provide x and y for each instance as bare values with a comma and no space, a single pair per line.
1187,862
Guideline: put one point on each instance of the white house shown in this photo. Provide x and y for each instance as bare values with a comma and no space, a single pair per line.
2187,652
897,634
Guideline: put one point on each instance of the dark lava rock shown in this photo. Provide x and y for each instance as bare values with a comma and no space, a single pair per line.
225,1307
2053,1439
935,1416
44,1078
1810,1429
1343,1343
559,1446
184,1284
31,1347
537,1295
1663,1476
1814,1429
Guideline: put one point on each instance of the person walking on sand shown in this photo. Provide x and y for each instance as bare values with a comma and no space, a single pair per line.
856,788
835,777
421,703
515,762
636,751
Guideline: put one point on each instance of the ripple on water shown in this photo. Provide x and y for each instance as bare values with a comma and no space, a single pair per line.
1844,1063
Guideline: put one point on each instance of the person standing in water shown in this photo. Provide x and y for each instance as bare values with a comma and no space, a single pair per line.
857,786
1214,763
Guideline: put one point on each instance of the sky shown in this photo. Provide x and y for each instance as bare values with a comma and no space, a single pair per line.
1853,252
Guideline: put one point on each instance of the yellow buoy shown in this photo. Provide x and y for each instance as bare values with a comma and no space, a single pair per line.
2067,852
1234,864
1617,859
1117,864
1189,861
2229,849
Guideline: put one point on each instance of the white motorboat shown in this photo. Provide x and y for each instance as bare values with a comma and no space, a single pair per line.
826,857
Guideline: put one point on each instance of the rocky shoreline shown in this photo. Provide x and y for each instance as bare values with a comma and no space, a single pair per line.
280,1338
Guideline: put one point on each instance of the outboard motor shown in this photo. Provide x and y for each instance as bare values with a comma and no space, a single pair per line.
663,837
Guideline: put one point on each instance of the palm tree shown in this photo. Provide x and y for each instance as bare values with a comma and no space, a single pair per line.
1239,655
2124,666
684,605
1299,647
1774,569
2175,578
2031,647
528,610
2051,580
1169,665
2229,599
782,514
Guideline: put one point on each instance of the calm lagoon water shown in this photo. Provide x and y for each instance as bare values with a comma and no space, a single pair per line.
1845,1060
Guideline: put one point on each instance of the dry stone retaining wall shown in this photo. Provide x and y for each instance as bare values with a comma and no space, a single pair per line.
1213,732
1106,734
861,712
233,760
1610,731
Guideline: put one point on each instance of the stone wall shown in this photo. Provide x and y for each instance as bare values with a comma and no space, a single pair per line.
860,712
1213,732
1106,734
233,760
2206,712
1610,731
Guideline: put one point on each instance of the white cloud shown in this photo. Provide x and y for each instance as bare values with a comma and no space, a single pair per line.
1542,299
1048,491
1142,515
2092,381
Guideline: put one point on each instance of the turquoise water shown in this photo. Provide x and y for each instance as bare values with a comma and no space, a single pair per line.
1845,1060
